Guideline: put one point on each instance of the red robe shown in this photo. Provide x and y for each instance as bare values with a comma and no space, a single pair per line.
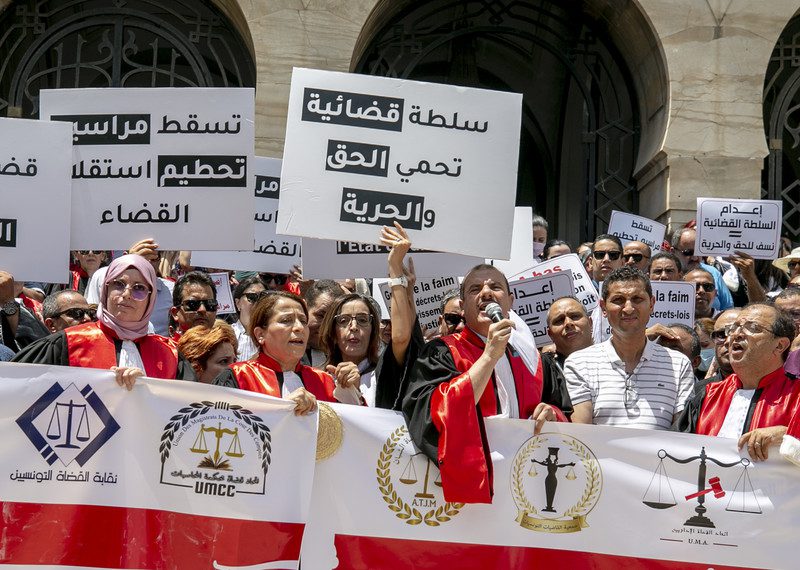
264,375
775,401
446,424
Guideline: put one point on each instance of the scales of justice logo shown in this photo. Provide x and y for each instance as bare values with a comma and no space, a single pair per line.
68,424
741,498
217,449
410,483
555,482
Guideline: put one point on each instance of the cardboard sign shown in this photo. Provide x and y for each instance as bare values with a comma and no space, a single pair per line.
725,226
224,295
362,152
428,295
171,164
35,198
326,259
584,289
629,227
674,303
272,253
521,244
533,297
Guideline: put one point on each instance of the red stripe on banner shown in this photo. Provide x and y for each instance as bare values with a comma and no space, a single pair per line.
391,553
119,537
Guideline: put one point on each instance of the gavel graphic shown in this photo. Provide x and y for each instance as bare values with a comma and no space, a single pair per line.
716,488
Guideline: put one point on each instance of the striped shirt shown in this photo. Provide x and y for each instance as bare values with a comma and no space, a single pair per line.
648,398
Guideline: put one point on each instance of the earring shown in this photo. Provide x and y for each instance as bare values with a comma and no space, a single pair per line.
260,339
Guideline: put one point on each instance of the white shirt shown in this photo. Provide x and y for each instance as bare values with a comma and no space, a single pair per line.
733,425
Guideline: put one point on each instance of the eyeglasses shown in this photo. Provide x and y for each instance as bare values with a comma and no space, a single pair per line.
278,278
88,251
636,257
612,255
76,313
255,297
792,264
139,291
193,305
631,394
707,287
720,335
749,328
687,252
453,319
362,320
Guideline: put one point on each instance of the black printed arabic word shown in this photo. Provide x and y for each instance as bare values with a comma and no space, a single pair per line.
272,249
383,208
425,167
97,168
348,247
145,216
193,127
108,129
357,158
432,119
263,217
268,187
352,109
8,233
185,171
14,169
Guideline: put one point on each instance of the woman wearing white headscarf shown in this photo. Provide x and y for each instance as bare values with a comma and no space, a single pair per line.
119,339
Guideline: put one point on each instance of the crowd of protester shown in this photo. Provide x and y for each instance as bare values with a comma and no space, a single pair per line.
149,312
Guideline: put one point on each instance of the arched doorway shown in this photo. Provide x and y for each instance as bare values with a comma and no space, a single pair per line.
581,116
781,174
123,43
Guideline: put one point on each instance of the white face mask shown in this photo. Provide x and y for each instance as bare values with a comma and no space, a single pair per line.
706,356
538,248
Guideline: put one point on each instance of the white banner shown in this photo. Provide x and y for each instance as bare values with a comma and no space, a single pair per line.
35,198
533,297
171,475
327,259
575,496
585,291
272,253
674,303
170,164
629,227
521,244
428,295
364,151
725,226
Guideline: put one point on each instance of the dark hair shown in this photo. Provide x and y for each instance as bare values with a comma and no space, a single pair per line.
788,293
322,287
698,269
607,237
265,309
625,274
668,255
551,244
245,284
447,297
327,330
695,348
481,267
50,303
192,278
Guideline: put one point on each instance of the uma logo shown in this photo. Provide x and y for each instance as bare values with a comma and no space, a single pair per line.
68,424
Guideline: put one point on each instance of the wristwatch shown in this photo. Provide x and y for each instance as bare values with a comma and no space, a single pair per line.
402,281
10,308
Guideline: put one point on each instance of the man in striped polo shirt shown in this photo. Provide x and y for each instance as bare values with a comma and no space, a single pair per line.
628,381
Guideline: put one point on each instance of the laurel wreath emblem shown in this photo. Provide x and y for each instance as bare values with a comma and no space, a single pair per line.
196,409
401,509
519,471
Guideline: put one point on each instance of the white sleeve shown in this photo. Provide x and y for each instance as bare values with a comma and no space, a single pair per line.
92,292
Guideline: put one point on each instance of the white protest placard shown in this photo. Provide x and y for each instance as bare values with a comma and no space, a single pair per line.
584,289
222,284
725,226
364,151
674,303
327,259
170,164
521,244
272,252
629,227
428,295
35,199
533,297
383,304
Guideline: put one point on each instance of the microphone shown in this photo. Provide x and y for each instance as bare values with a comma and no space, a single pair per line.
494,312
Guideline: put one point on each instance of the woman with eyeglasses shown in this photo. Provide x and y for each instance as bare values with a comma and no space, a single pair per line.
350,335
118,340
279,327
245,296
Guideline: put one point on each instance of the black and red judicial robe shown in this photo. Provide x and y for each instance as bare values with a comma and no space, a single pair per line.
264,376
774,402
447,425
93,345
